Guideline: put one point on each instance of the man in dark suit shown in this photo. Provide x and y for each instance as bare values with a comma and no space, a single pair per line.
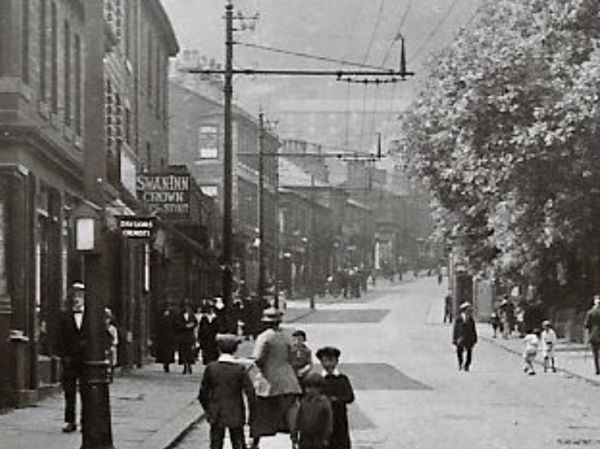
224,383
70,346
592,325
464,336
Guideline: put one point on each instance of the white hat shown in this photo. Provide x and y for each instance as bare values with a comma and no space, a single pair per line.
78,286
465,305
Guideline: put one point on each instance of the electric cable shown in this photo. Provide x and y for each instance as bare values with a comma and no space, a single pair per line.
435,29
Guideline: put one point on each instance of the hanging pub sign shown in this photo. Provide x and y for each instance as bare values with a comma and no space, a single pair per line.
137,227
165,193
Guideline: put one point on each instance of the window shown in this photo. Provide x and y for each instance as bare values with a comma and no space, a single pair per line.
54,59
109,114
78,86
43,43
148,156
128,126
127,30
210,190
208,142
25,37
68,69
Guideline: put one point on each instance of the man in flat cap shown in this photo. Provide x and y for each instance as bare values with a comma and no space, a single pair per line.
70,346
224,383
464,336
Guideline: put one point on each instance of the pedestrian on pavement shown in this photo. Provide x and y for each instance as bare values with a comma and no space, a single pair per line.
71,347
533,315
592,324
112,339
186,337
507,315
314,422
339,391
165,338
301,355
496,323
276,385
464,336
532,343
208,329
224,384
448,306
548,342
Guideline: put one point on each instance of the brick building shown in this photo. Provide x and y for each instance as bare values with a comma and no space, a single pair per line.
197,141
44,69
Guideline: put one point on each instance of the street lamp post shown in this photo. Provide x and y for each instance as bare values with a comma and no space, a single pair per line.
96,422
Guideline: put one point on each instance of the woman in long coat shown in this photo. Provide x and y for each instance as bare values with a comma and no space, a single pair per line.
277,387
186,337
164,339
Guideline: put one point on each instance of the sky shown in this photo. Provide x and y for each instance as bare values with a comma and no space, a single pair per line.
362,31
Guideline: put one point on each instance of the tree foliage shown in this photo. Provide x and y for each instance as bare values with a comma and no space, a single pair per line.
506,134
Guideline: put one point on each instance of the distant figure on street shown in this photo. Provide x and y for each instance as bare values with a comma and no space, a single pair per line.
496,323
338,389
314,423
507,315
448,306
112,339
165,338
548,342
276,393
71,347
301,355
464,336
592,324
224,384
186,337
532,343
207,334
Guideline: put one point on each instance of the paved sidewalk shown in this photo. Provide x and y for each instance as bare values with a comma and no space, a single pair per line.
573,359
150,409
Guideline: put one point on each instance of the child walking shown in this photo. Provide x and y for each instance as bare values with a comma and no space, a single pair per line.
301,359
548,340
314,421
338,389
224,383
532,343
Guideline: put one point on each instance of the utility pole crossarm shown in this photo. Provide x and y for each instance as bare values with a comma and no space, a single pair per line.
302,72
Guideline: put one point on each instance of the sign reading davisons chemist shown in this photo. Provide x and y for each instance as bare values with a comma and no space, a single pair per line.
165,193
136,227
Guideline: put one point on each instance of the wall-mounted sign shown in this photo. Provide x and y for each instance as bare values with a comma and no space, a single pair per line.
165,193
137,227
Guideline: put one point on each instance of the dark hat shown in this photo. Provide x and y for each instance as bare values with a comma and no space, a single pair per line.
272,315
228,343
313,380
299,333
328,352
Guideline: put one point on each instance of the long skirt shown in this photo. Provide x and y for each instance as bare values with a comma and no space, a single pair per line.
186,353
270,415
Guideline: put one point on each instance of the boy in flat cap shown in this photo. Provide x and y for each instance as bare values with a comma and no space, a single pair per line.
314,421
224,383
338,389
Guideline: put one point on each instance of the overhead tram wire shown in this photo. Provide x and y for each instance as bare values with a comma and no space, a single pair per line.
398,32
365,58
430,36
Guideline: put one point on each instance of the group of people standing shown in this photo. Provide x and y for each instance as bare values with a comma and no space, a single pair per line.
283,392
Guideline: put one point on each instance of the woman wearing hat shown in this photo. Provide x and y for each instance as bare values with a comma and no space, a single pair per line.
464,336
277,386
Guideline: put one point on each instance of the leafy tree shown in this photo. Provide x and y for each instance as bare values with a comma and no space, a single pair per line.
505,135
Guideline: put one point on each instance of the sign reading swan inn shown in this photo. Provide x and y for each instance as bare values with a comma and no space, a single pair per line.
165,193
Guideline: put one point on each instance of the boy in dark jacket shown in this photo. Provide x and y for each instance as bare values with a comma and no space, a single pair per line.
464,336
224,383
314,421
339,391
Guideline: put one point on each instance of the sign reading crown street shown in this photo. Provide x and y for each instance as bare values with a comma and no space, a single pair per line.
136,227
165,193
